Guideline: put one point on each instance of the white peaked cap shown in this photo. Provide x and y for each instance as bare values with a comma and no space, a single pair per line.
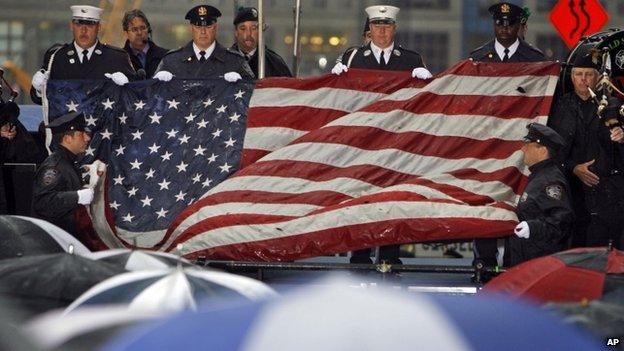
87,13
382,12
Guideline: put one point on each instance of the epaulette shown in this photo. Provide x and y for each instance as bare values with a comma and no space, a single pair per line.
113,48
407,50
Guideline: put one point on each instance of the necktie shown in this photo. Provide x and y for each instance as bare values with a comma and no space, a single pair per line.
382,59
142,58
85,58
202,55
247,57
506,56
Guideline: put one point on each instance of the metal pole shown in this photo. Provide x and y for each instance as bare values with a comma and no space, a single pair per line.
260,40
296,44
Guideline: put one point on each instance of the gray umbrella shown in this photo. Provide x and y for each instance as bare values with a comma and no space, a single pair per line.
43,282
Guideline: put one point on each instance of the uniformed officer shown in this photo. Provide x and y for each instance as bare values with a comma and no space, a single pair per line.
144,53
382,53
246,34
507,46
544,209
203,57
58,192
85,57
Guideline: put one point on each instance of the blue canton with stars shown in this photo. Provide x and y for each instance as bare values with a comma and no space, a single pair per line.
165,143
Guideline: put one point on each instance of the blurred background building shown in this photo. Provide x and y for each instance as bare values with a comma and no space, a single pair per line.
443,31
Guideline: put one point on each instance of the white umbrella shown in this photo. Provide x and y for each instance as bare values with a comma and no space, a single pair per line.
170,290
137,260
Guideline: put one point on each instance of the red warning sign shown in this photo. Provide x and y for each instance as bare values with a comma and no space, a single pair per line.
575,19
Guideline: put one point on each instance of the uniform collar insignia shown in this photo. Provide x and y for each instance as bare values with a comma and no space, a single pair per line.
72,60
367,52
98,51
70,52
396,52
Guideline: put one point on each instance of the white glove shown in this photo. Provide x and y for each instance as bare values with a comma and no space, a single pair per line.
39,80
94,171
85,196
232,77
117,77
421,73
522,230
163,76
339,68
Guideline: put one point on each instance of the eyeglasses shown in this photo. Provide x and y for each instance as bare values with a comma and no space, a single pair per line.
137,29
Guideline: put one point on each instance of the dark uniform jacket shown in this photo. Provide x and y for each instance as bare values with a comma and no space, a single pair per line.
183,63
400,60
55,196
66,64
154,54
525,53
545,206
274,64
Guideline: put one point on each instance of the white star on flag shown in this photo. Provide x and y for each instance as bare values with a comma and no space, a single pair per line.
184,139
201,124
166,156
216,133
190,118
119,180
196,178
106,134
128,218
164,184
199,150
212,158
162,213
171,134
208,102
122,118
90,151
132,191
154,148
136,164
150,174
173,104
234,117
139,105
155,118
137,135
221,109
230,142
114,205
90,120
180,196
207,182
182,167
147,201
239,95
72,106
225,168
108,104
120,150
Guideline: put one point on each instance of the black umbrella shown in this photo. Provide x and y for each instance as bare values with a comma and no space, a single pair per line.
44,282
23,236
11,334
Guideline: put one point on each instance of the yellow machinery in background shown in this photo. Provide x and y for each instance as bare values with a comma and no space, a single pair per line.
110,33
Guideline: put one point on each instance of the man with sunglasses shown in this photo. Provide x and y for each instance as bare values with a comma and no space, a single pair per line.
144,54
203,57
382,53
85,57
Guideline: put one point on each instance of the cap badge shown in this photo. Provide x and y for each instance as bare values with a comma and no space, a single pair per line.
505,8
254,12
202,11
383,9
83,10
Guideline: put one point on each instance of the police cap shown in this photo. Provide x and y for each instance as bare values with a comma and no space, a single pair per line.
203,15
382,14
73,121
543,135
245,14
84,14
506,14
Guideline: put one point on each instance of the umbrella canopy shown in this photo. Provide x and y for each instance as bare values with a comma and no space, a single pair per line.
25,236
137,260
11,336
44,282
603,319
84,329
171,289
570,276
332,315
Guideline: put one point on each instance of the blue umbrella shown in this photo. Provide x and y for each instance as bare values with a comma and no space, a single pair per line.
333,315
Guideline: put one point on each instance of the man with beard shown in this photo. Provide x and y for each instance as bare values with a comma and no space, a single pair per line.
246,34
85,57
144,54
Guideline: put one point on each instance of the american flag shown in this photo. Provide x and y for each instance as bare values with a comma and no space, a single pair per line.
165,145
433,160
332,164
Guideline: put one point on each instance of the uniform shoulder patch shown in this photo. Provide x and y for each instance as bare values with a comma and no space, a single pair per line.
554,191
49,176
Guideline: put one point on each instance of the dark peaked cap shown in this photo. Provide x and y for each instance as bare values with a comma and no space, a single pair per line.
245,14
505,13
203,15
544,135
73,121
